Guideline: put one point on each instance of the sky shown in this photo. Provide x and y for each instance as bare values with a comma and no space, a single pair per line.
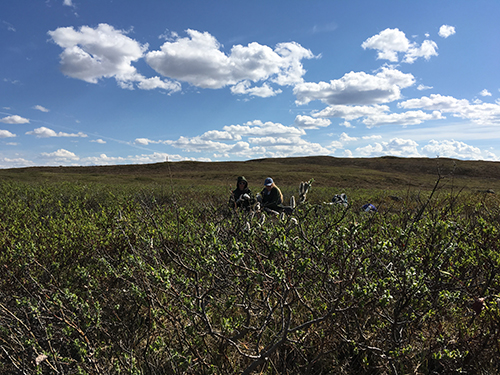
106,82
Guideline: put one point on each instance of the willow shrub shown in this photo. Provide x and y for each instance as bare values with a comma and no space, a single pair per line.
153,280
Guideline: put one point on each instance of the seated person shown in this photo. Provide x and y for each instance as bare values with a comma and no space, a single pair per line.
241,196
271,196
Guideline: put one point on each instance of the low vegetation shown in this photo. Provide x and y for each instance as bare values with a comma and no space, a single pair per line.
164,278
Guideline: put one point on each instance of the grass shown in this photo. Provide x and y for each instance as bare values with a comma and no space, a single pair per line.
145,270
386,173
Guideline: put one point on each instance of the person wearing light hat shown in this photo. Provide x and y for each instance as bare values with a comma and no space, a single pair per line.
271,196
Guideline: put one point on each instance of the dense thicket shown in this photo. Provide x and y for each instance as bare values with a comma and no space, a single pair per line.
98,279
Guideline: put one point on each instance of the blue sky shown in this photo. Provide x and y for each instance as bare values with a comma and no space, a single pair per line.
102,82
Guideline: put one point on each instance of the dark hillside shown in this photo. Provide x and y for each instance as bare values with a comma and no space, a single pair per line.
379,173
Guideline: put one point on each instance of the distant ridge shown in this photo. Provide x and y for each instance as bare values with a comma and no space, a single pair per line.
382,172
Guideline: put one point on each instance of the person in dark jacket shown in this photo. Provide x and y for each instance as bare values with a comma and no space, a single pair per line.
241,196
272,198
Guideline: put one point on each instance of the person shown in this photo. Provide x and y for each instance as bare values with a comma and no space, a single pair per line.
241,196
272,198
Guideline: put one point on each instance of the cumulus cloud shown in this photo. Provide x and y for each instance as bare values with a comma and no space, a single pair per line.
196,144
264,91
102,159
308,122
347,124
60,155
372,137
344,137
426,51
452,149
485,93
351,112
217,135
480,113
101,141
395,147
390,42
404,119
199,60
40,108
15,119
15,163
91,54
445,31
435,102
254,139
262,129
144,141
6,134
356,88
44,132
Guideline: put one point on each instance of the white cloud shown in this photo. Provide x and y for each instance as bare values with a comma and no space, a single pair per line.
15,119
217,135
485,93
452,149
336,144
423,87
347,124
404,119
196,144
44,132
395,147
308,122
285,147
60,155
445,31
356,88
15,163
426,50
198,60
143,141
351,112
40,108
102,159
264,91
6,134
91,54
259,129
390,42
436,102
262,139
68,3
274,141
101,141
480,113
156,83
345,138
372,137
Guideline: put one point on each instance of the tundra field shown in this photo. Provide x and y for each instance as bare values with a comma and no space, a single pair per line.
145,269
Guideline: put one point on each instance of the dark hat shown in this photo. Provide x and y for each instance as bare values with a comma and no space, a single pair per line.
268,182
